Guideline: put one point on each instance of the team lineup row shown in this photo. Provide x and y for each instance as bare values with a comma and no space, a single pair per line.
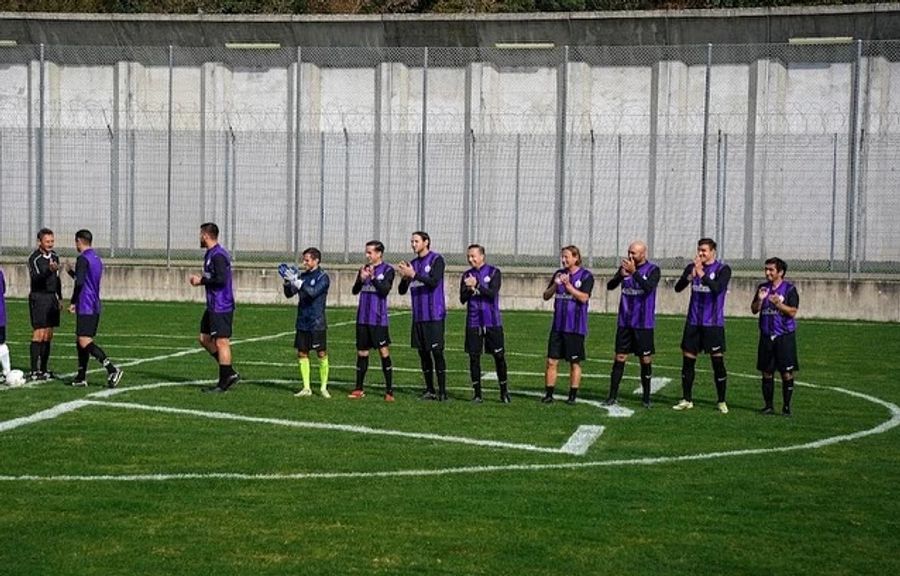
570,287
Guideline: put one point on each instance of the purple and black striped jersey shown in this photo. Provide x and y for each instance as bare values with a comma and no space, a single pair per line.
88,274
217,280
2,298
570,315
427,288
637,305
373,292
772,322
707,305
483,305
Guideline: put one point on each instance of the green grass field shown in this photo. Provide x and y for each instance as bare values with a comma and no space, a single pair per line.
166,480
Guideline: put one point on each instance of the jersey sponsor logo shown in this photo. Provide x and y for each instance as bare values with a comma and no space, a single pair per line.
380,277
632,291
578,283
712,275
487,279
700,288
427,268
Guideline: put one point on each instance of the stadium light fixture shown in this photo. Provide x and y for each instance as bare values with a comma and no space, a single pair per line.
8,43
252,45
823,41
524,45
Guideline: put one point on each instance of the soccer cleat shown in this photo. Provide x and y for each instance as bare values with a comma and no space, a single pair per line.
214,390
504,399
571,401
233,379
786,411
34,376
114,378
442,397
389,397
304,392
683,405
767,411
428,395
646,404
722,407
82,383
324,392
610,402
45,376
356,394
547,399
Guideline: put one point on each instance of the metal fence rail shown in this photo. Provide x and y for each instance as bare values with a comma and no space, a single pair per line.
771,149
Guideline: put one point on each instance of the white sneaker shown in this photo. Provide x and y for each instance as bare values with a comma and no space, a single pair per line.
722,407
304,392
325,393
683,405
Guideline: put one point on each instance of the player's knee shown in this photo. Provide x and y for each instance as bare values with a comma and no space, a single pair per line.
620,358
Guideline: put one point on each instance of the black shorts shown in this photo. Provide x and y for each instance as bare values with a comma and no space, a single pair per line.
709,339
427,335
566,346
86,324
44,310
779,354
368,337
316,340
2,334
489,340
637,341
217,324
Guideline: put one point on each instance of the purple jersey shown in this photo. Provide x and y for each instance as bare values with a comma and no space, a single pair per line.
637,306
772,322
428,290
483,305
570,315
217,280
88,273
707,305
2,298
373,291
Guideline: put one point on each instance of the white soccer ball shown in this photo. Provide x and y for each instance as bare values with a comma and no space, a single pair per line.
15,378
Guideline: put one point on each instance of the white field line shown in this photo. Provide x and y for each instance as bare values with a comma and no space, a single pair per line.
656,384
885,426
582,439
48,414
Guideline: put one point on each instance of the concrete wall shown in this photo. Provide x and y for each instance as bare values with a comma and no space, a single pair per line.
877,300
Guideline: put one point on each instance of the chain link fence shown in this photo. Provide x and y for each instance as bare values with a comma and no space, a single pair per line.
787,150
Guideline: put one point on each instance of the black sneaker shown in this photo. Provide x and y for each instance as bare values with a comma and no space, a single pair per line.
786,411
548,399
428,395
442,397
646,404
114,377
79,383
45,376
766,411
213,390
231,381
609,402
34,376
571,401
504,399
477,399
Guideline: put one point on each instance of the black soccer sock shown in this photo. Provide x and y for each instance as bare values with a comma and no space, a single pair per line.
475,369
768,390
787,391
97,352
440,366
548,391
35,355
387,367
646,378
721,376
45,356
687,378
362,365
500,365
225,371
427,369
573,392
615,379
83,358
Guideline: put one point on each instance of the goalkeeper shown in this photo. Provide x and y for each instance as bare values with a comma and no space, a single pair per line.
311,288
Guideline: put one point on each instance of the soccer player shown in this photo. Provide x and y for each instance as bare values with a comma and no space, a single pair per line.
424,279
704,329
43,302
638,278
311,288
4,349
776,301
373,283
216,324
85,304
570,287
479,290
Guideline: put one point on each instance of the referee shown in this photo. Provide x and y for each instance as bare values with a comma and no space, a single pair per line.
43,302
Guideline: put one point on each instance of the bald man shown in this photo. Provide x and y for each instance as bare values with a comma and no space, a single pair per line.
638,278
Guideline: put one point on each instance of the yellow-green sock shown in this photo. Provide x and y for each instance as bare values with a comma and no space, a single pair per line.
323,372
304,372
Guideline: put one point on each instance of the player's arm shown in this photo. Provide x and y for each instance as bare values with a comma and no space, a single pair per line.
465,293
583,294
685,278
383,287
614,281
358,284
492,288
434,276
320,287
648,284
756,303
550,290
720,283
790,304
219,274
81,269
